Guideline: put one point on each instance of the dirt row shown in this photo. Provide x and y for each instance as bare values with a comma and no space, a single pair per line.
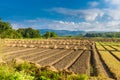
78,61
82,64
61,59
21,54
99,66
53,58
68,60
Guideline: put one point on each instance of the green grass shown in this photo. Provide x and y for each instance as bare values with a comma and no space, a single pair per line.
27,71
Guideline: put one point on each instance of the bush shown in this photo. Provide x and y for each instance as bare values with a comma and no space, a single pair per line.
28,71
7,73
78,77
49,75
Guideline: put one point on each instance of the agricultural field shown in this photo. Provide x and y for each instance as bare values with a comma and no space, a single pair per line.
100,60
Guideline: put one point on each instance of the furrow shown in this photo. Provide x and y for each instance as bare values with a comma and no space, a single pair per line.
21,54
100,69
68,60
46,55
53,58
32,55
82,64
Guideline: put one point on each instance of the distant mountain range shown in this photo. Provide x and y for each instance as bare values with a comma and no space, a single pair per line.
63,32
74,33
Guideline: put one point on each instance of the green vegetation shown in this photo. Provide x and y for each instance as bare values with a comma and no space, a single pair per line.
50,35
6,31
104,35
28,33
28,71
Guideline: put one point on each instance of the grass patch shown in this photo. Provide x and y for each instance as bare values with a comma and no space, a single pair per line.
27,71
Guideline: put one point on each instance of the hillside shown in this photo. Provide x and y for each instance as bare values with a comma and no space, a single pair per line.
62,32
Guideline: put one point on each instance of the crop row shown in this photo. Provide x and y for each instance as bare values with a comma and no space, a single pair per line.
99,67
112,63
117,54
51,41
82,64
59,58
67,60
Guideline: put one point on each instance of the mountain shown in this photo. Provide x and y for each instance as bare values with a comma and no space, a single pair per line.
62,32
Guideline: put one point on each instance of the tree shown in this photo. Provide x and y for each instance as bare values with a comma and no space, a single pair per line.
6,31
50,34
53,34
29,33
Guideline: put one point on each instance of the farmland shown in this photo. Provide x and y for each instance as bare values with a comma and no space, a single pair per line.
95,58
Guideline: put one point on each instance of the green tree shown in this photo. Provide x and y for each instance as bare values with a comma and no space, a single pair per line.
29,33
6,31
50,34
53,34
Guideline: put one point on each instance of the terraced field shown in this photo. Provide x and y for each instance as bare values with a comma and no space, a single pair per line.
95,59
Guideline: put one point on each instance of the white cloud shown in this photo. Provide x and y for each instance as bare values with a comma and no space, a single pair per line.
94,19
115,14
113,3
87,26
93,4
88,14
72,26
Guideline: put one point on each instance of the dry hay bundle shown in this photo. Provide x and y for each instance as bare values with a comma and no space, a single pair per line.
46,46
31,46
35,64
22,42
75,48
84,48
24,45
54,47
66,71
9,45
50,68
47,42
2,61
66,47
13,45
18,61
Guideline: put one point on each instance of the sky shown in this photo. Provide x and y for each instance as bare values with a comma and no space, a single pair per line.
73,15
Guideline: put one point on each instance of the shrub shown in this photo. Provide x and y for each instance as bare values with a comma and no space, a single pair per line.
77,77
8,73
28,71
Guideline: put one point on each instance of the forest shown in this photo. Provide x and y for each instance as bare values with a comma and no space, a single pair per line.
6,31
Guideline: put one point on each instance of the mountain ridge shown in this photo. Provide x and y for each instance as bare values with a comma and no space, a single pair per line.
62,32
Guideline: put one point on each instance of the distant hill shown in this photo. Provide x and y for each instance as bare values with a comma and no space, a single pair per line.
63,32
103,34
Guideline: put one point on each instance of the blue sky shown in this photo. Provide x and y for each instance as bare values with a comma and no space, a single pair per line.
88,15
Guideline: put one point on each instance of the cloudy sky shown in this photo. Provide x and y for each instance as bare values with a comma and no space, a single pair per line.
88,15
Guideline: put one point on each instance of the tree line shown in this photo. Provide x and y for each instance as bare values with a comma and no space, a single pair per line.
6,31
104,35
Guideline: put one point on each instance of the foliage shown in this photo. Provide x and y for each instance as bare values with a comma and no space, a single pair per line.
49,75
28,33
27,71
6,31
105,34
76,77
7,73
50,35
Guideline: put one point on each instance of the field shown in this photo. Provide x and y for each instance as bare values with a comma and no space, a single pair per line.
95,58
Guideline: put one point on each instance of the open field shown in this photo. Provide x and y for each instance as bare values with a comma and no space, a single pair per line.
97,59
